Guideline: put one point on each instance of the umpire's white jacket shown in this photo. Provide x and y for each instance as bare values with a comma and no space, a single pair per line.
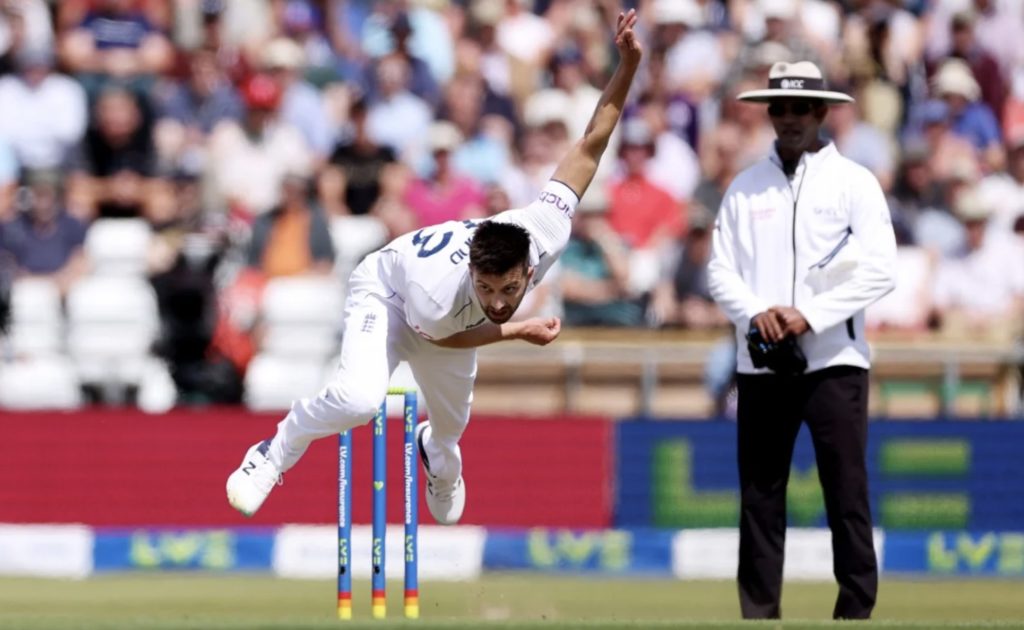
821,242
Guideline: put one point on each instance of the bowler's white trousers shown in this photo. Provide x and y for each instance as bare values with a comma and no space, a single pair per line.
376,339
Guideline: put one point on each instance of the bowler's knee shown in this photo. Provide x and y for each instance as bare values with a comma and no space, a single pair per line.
356,402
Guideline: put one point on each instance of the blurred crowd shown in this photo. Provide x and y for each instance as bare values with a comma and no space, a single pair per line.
255,140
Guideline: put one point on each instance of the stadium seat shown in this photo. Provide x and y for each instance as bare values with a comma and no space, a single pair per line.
37,323
302,317
273,382
118,246
43,382
354,237
112,323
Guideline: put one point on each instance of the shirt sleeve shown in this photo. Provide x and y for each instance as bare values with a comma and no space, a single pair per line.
725,282
548,219
874,275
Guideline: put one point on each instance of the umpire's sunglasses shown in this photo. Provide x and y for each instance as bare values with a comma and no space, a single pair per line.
798,108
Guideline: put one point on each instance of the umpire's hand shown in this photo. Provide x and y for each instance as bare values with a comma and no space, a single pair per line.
780,322
791,320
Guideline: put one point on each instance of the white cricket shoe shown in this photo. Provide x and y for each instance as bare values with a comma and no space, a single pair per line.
446,499
249,486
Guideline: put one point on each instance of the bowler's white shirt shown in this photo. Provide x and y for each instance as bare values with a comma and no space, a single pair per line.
427,271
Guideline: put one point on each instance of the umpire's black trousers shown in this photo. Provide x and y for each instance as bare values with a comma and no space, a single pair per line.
771,408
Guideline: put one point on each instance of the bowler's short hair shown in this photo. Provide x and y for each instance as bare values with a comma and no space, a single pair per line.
498,248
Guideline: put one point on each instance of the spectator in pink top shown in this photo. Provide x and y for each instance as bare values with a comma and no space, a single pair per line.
444,195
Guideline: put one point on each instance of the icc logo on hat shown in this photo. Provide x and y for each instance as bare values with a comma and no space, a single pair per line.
792,84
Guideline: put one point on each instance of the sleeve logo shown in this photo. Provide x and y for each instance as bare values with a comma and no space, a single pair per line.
556,201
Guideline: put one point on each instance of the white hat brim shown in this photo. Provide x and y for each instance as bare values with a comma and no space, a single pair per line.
766,96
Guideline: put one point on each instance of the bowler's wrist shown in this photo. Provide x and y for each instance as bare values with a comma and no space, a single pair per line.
511,330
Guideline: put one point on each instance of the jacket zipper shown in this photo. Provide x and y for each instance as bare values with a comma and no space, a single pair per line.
796,200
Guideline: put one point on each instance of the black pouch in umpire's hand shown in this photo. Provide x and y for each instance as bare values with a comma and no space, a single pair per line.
784,357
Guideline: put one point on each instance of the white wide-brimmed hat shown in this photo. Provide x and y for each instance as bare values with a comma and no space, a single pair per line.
802,79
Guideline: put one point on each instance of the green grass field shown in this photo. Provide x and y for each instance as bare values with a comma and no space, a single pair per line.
142,602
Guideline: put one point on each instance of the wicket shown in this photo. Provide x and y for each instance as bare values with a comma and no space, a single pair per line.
410,541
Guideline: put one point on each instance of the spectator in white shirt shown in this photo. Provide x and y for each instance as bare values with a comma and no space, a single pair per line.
525,36
694,61
400,119
1004,191
249,162
862,142
42,114
981,292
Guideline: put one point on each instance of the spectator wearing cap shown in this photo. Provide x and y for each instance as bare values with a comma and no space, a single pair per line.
44,240
1004,191
43,114
642,212
350,182
421,82
398,118
970,118
444,195
694,60
115,39
550,110
980,292
594,279
301,104
984,68
116,158
932,122
247,162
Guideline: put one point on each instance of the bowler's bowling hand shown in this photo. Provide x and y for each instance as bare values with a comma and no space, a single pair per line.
539,330
791,320
630,50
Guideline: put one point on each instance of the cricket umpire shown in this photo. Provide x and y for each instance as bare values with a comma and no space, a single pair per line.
802,245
